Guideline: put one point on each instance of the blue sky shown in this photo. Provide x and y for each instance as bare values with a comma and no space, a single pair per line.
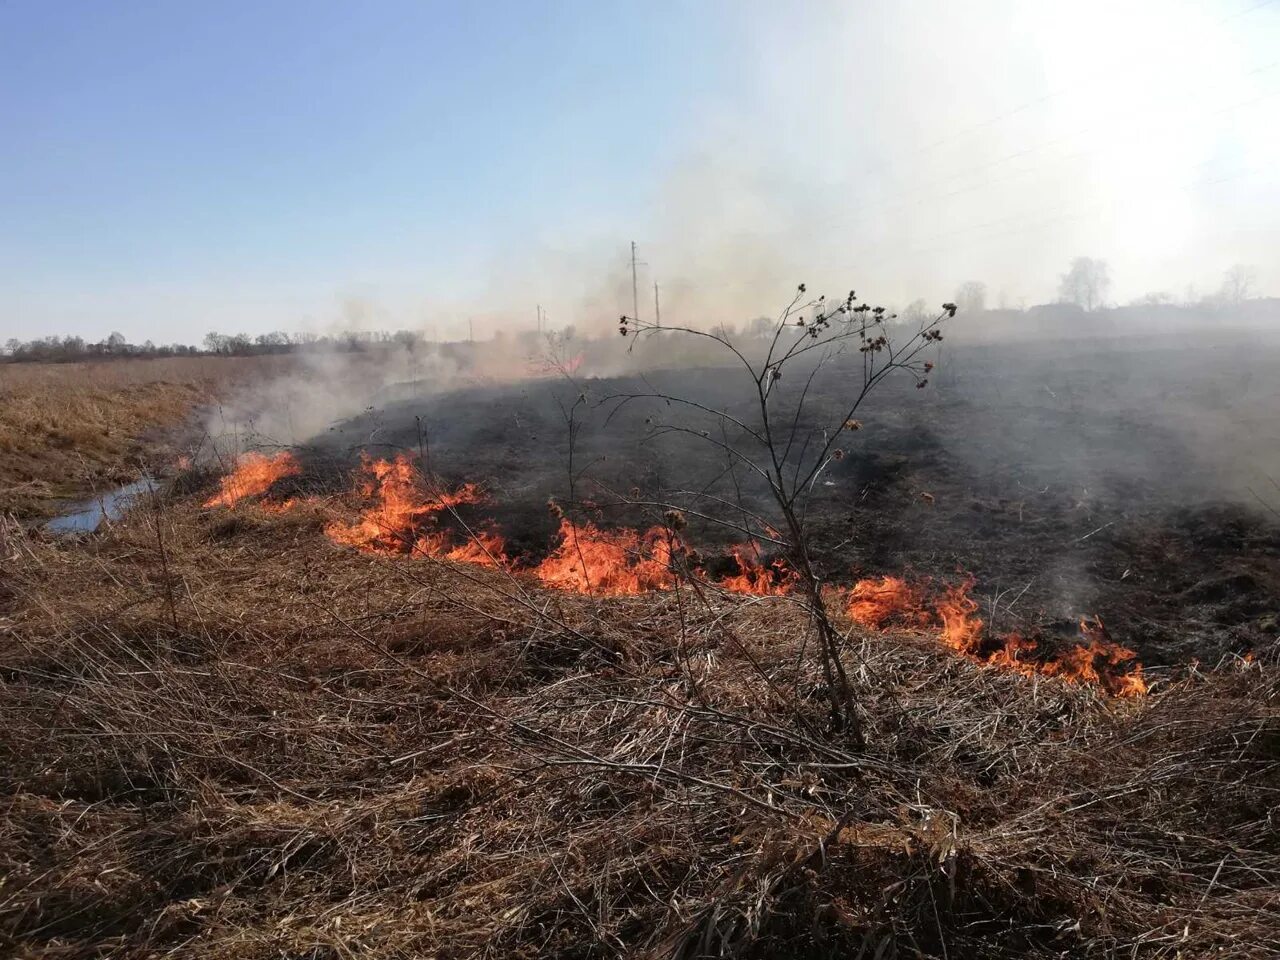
169,168
279,145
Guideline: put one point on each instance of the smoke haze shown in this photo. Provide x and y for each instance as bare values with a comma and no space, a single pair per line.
907,149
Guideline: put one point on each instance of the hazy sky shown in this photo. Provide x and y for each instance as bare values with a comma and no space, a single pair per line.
171,168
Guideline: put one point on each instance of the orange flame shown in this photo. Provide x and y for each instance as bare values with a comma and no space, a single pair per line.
483,548
874,601
624,561
1097,661
612,563
254,474
961,630
401,503
757,579
1014,648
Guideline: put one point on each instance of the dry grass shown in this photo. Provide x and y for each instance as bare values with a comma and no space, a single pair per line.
317,753
67,429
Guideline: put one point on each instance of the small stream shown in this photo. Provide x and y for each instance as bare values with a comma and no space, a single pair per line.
87,515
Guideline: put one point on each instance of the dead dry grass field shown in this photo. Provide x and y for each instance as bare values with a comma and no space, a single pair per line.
223,735
69,429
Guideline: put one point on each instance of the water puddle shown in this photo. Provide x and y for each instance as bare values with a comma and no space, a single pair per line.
87,516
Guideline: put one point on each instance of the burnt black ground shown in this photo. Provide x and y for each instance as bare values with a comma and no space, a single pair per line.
1105,476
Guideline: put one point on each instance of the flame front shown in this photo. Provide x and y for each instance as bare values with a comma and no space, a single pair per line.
612,562
757,579
622,561
482,547
875,601
1098,660
401,504
961,630
253,475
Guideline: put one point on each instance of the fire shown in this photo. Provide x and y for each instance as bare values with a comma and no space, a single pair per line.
253,475
609,562
483,548
401,505
623,561
1098,660
1013,654
874,601
961,630
753,577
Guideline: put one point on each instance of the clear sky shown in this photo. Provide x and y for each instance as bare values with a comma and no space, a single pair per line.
171,168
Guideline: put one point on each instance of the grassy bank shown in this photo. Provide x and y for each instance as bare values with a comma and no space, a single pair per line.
70,429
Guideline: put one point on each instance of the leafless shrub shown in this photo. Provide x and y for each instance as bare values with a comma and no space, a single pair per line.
779,442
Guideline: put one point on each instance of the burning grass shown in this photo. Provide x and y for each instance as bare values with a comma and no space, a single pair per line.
253,475
401,510
332,752
610,563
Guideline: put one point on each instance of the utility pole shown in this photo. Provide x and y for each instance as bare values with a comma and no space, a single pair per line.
657,309
471,331
635,290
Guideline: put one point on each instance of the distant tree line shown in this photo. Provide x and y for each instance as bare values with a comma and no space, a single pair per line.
1084,286
68,349
243,345
65,349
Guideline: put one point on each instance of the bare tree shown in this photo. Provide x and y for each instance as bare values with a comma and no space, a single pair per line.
1086,283
784,441
916,311
972,297
1237,284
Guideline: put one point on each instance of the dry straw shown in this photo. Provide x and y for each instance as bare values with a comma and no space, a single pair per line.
341,755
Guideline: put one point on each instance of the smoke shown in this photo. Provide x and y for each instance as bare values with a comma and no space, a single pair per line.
319,390
901,150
